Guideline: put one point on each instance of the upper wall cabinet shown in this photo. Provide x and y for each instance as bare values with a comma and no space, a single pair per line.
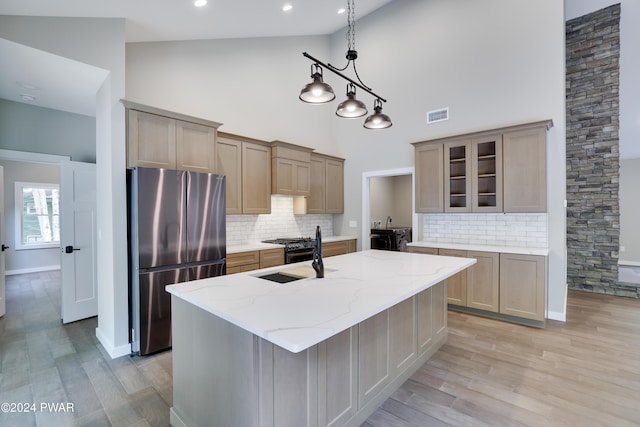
327,185
247,165
290,169
163,139
502,170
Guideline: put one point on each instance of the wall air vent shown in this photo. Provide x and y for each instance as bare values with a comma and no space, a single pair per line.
439,115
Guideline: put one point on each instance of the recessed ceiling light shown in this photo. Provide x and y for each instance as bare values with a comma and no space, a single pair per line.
26,85
27,98
341,10
287,8
199,3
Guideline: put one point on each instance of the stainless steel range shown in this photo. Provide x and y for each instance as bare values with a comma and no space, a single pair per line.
296,249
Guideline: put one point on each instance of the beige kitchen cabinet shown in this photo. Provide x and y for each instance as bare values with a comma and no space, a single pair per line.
483,284
271,257
422,250
340,247
327,185
429,171
501,170
402,341
290,169
525,169
162,139
246,163
456,284
243,261
522,285
239,262
373,362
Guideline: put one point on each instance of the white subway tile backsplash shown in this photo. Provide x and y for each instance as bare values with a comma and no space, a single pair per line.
516,230
243,229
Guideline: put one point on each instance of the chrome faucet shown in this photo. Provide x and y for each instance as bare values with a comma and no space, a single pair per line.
317,264
386,225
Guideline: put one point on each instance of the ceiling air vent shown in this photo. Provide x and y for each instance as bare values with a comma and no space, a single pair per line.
438,115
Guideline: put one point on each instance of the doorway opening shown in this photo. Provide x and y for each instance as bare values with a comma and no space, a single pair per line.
399,188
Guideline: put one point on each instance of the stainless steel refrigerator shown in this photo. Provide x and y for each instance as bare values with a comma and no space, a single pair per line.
177,233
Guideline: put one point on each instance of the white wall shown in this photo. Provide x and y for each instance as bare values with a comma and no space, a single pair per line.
493,63
630,211
249,85
23,261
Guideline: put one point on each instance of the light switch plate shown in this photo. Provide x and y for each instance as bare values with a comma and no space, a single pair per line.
353,224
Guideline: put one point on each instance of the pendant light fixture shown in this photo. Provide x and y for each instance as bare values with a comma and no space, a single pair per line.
319,92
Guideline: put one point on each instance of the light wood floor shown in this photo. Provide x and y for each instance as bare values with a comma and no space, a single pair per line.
585,372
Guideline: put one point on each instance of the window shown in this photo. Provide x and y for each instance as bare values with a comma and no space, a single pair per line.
37,215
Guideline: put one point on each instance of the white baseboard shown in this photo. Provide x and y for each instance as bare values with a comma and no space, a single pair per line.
552,315
31,270
628,263
114,352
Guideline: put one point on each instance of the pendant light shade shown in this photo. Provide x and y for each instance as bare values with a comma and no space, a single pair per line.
351,107
317,92
377,120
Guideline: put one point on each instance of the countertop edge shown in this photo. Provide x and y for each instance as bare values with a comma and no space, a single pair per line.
482,248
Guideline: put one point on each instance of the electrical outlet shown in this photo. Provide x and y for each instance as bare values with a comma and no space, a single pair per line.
353,224
622,249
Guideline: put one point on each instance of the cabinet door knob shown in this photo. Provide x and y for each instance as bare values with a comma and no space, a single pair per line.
4,248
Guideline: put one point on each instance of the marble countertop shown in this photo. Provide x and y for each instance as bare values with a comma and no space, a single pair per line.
483,248
257,246
300,314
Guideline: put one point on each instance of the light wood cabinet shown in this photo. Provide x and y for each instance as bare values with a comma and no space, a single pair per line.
271,257
525,170
253,260
341,247
327,185
247,164
502,170
483,284
429,170
456,284
522,285
162,139
502,283
338,378
373,359
243,261
290,169
403,336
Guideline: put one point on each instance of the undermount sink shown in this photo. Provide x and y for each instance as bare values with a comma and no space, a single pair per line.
279,277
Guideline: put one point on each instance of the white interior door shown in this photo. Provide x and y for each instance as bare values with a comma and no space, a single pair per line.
78,240
3,301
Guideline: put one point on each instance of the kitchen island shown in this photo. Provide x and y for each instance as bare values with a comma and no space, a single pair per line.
312,352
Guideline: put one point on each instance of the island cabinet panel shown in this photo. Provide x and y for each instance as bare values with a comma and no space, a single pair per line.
425,321
402,336
456,284
373,358
225,375
338,378
483,287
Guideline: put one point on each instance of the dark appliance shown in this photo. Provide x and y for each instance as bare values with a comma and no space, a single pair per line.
177,233
391,239
296,249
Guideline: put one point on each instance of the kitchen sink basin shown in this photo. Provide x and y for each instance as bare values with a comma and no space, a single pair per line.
279,277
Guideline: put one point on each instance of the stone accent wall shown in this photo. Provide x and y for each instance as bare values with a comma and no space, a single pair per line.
592,97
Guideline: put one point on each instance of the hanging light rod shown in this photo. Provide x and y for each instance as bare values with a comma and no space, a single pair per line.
337,72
